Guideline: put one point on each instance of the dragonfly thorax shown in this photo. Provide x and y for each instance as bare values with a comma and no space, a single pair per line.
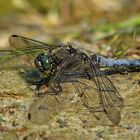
43,62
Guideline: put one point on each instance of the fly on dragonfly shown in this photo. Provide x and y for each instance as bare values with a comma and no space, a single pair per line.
60,64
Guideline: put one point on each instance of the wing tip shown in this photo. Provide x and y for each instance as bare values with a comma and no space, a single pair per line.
14,35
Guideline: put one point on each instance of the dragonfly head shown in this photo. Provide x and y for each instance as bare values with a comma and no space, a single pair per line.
43,62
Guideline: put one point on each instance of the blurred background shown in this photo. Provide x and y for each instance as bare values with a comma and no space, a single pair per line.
110,27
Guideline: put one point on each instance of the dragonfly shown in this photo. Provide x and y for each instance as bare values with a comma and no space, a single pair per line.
62,64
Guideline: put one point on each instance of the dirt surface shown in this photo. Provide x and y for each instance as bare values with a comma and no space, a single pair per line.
16,96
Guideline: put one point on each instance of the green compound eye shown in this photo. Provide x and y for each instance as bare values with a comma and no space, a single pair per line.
43,62
46,62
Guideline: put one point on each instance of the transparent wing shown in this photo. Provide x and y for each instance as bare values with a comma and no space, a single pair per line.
22,52
46,108
20,43
14,59
111,100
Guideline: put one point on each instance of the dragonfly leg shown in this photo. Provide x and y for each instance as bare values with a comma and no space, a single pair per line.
40,86
55,89
38,91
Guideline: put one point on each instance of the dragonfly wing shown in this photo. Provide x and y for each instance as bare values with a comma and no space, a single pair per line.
43,109
111,100
24,50
10,59
47,107
20,42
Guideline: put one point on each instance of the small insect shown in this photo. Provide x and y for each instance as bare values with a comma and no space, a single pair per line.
59,65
